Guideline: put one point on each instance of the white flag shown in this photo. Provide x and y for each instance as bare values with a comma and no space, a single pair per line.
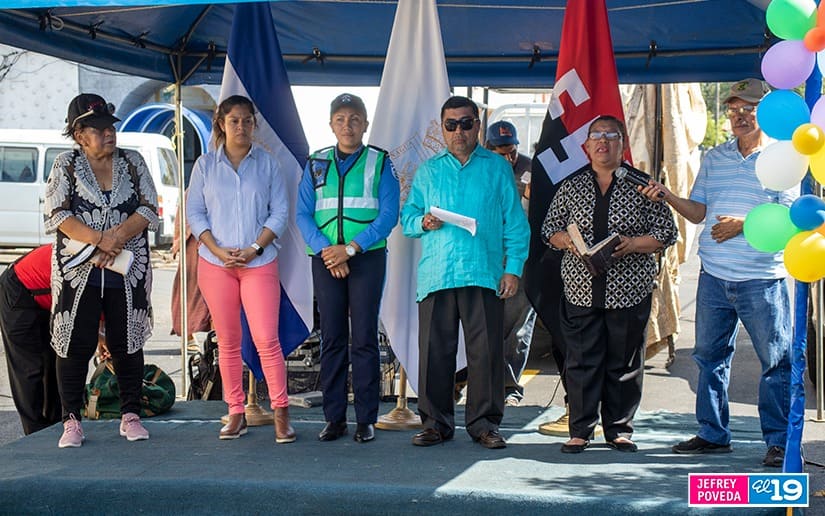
407,124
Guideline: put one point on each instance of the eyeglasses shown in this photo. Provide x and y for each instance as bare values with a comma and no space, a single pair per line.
747,109
465,123
609,136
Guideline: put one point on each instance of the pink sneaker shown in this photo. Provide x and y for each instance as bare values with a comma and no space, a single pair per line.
72,434
131,429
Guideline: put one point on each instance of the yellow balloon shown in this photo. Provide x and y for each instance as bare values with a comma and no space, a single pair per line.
817,165
805,256
808,139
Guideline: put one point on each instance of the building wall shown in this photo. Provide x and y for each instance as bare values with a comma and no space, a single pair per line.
35,92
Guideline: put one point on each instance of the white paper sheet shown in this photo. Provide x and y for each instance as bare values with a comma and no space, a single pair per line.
456,219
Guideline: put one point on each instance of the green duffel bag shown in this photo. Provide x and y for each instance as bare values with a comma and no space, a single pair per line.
102,398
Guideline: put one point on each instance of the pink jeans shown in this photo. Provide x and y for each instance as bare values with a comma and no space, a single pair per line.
258,289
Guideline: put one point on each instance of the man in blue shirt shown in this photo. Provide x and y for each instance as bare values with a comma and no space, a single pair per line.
736,283
348,203
464,275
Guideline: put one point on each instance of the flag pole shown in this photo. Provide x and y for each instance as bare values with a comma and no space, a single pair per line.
401,417
255,414
184,298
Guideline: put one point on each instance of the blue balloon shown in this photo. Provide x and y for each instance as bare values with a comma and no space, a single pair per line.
781,112
808,212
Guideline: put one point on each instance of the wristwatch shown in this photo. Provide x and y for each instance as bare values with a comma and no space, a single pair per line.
258,249
350,250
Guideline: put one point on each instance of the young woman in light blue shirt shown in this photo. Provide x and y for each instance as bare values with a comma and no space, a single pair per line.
237,208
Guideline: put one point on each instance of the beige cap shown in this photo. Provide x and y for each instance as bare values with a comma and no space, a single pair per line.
749,90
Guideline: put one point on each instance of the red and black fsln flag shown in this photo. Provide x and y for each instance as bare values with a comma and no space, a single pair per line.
586,86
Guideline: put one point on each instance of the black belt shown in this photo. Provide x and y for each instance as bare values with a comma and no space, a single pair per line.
34,292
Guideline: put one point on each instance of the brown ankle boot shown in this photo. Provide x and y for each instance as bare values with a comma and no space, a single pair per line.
284,433
235,428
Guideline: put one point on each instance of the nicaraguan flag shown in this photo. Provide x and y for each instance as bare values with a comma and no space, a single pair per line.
255,69
407,124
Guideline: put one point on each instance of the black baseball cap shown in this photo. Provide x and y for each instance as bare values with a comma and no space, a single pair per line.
348,100
91,110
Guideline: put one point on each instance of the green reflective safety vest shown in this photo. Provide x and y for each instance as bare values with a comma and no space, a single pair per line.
346,205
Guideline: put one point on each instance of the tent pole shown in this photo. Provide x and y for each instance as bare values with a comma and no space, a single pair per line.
658,137
184,316
820,360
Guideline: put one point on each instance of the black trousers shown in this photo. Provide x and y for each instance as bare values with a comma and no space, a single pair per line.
605,364
356,298
72,370
480,313
29,355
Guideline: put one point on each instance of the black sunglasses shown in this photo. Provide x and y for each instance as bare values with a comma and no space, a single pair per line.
465,123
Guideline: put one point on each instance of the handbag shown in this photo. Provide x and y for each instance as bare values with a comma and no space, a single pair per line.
102,397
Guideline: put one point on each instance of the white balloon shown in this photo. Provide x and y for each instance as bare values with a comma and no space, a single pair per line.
779,167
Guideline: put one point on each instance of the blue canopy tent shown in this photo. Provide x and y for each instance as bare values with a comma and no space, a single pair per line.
495,43
491,43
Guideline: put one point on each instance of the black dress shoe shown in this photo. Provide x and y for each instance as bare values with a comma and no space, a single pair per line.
333,431
428,437
623,446
492,440
574,448
364,432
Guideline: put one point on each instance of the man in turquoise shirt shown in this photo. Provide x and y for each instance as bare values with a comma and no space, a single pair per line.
464,277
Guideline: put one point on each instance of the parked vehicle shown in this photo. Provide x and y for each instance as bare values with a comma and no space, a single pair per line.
528,119
26,158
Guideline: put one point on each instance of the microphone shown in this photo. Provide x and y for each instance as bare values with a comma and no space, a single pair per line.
635,177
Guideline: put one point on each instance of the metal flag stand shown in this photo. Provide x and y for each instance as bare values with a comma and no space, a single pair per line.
255,414
401,417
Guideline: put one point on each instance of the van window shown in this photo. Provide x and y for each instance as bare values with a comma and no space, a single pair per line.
168,167
17,164
51,155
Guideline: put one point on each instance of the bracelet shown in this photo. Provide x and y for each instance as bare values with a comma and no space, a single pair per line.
99,240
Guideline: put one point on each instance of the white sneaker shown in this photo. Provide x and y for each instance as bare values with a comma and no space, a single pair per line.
72,434
131,429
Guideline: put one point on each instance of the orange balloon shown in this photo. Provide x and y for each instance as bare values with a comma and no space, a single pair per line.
821,230
820,16
815,39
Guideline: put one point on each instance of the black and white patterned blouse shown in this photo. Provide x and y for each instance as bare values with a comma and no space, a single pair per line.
630,214
73,191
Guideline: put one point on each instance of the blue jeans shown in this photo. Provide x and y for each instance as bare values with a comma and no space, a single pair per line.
763,306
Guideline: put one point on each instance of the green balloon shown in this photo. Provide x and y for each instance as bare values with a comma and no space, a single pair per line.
768,227
791,19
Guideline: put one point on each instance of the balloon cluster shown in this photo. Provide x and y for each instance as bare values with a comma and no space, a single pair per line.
784,116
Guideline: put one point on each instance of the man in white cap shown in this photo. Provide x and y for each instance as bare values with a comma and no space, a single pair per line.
736,283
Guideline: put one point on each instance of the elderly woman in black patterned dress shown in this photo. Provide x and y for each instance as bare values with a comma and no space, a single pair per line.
603,317
103,196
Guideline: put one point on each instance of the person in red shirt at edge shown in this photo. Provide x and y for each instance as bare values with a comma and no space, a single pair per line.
25,302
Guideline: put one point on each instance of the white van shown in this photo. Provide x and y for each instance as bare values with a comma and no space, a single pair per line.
26,159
